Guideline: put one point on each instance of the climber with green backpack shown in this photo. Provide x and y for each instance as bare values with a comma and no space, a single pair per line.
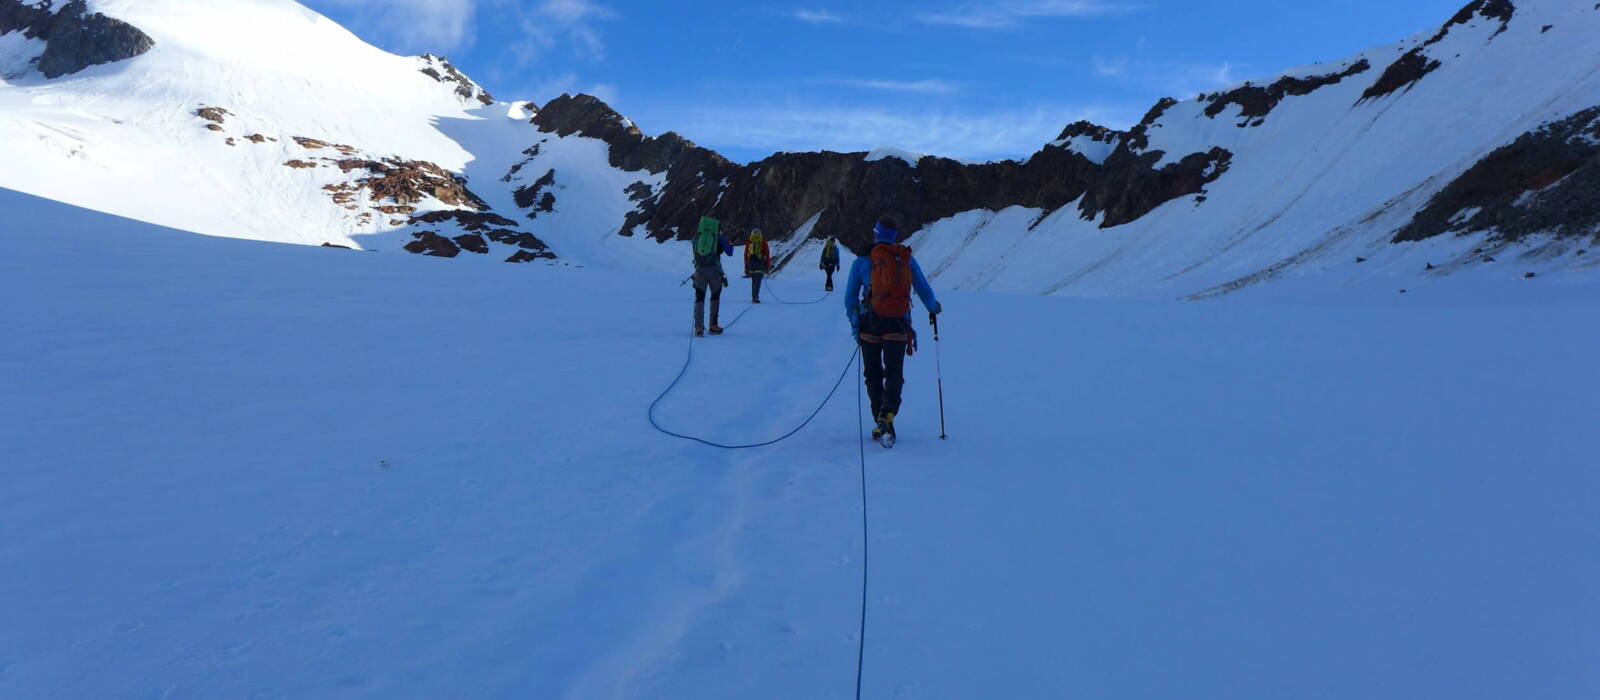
709,247
877,300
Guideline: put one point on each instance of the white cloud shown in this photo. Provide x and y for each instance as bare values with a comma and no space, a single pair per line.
1003,15
417,26
1110,67
930,87
962,135
816,16
1175,79
551,23
569,83
1189,80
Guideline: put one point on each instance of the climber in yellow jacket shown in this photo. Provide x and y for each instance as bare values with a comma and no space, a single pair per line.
757,263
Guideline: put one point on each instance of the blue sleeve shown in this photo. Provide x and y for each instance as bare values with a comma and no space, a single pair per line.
852,291
727,248
924,290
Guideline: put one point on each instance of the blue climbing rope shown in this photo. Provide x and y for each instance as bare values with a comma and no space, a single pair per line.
689,359
861,448
818,300
861,639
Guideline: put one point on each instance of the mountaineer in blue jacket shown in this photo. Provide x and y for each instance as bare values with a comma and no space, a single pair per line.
877,300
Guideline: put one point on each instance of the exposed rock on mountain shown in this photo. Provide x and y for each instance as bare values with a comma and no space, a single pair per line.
1480,127
440,69
1256,102
850,191
75,39
1417,63
1547,181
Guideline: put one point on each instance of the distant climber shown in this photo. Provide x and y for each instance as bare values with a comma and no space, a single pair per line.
757,262
877,301
709,246
830,261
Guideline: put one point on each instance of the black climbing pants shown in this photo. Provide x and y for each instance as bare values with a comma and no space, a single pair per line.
884,361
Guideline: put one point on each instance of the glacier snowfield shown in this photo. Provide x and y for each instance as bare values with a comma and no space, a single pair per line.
233,469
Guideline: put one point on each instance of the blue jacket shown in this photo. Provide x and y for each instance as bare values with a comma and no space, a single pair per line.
860,270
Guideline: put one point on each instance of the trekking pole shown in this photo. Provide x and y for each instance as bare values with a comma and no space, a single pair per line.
938,365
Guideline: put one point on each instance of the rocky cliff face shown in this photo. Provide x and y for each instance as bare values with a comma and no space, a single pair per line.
75,39
851,190
1545,182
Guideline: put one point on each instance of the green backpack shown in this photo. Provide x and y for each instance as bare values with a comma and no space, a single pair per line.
707,244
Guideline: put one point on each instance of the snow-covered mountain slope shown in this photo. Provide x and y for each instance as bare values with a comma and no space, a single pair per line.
234,469
1330,165
1469,146
1484,129
220,129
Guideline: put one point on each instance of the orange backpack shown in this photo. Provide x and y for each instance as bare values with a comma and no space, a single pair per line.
891,280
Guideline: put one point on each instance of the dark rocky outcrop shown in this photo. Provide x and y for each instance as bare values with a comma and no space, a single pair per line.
466,220
536,198
213,114
407,182
1404,72
1416,64
780,193
630,148
1545,182
1139,135
472,243
74,38
480,225
1502,10
527,256
439,68
430,243
32,19
1256,102
1093,131
317,145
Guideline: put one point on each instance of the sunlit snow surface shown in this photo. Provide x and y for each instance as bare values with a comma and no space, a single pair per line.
240,469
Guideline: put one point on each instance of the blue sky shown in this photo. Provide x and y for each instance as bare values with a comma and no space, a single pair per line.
951,77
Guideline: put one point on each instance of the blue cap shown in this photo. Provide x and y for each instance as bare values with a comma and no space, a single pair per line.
886,234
